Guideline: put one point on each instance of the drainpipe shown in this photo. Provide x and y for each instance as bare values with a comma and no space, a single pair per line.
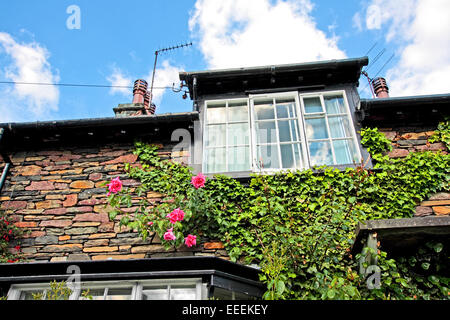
7,165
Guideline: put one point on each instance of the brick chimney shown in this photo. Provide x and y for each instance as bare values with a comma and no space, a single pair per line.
140,104
149,109
380,87
139,91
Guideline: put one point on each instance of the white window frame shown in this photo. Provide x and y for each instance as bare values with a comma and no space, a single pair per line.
300,110
201,291
290,94
226,122
330,139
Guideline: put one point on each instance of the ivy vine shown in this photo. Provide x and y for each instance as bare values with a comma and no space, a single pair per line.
299,226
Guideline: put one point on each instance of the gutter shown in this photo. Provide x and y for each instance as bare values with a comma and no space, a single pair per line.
101,122
333,64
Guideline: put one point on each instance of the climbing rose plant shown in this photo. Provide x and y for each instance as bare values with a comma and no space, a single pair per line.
10,250
299,226
169,221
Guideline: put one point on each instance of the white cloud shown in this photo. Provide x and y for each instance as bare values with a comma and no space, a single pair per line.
27,62
165,76
119,80
237,33
421,29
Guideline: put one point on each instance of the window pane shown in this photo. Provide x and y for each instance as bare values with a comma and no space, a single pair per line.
267,156
287,156
316,128
97,294
238,159
264,109
216,113
215,160
320,153
298,154
286,110
186,293
215,135
334,104
28,295
119,294
339,127
312,105
238,134
345,152
155,293
237,111
266,132
287,130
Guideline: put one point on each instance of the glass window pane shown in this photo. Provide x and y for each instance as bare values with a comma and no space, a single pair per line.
287,130
119,294
155,293
267,157
298,152
339,127
28,294
215,160
238,133
316,128
264,109
334,104
216,113
266,132
320,153
96,294
237,111
286,110
287,156
345,152
312,105
239,159
186,293
215,135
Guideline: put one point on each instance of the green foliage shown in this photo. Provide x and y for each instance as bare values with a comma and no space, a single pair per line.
374,141
442,133
59,291
299,226
9,234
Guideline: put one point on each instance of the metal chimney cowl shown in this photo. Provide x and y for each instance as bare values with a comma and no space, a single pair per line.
139,90
380,87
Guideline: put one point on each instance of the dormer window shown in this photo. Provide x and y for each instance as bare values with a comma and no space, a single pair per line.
282,131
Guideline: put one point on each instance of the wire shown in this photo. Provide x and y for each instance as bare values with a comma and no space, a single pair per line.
73,85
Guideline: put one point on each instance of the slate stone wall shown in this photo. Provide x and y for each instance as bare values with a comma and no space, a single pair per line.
57,197
415,139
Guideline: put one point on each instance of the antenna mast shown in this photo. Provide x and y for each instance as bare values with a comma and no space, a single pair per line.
156,59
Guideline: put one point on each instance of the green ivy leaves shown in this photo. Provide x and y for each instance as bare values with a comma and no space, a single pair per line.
299,226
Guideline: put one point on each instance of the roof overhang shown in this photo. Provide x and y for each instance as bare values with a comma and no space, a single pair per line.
405,111
300,76
215,271
403,235
24,135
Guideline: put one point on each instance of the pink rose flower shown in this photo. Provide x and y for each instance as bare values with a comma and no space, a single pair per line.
190,240
169,235
176,215
115,185
198,181
149,223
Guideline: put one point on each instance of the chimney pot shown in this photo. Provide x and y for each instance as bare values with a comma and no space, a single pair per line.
380,87
139,90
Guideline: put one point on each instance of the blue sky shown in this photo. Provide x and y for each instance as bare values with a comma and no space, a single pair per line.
116,41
